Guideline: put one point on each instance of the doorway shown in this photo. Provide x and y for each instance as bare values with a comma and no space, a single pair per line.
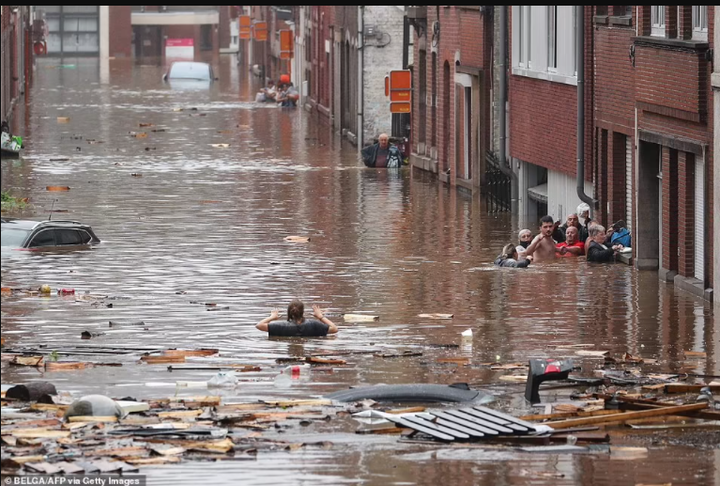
649,188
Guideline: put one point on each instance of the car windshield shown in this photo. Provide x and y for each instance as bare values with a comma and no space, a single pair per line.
13,236
190,70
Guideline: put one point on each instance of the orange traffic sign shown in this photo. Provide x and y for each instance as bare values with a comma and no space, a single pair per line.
286,40
260,31
245,25
400,95
400,107
401,79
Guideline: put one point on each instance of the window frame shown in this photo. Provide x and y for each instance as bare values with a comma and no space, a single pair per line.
657,20
552,38
700,22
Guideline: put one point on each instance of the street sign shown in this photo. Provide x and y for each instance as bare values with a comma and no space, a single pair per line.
245,24
400,107
260,31
400,91
286,44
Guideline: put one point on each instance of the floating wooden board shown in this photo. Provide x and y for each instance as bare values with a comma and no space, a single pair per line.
436,316
625,416
162,359
191,352
360,318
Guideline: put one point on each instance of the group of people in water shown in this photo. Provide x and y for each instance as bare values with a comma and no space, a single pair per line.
285,94
572,239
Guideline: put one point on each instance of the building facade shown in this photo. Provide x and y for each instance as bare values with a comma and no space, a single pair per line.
452,77
19,31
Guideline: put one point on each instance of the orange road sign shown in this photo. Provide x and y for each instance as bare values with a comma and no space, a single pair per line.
260,31
245,24
400,107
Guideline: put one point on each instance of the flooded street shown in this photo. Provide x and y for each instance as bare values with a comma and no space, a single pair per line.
184,223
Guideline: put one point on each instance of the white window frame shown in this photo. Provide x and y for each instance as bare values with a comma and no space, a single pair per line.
700,22
552,38
524,37
657,20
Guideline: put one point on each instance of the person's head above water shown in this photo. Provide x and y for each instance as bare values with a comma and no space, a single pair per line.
295,311
547,225
384,140
509,251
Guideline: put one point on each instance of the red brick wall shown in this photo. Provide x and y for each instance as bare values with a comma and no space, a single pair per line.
120,31
686,214
671,79
669,209
614,79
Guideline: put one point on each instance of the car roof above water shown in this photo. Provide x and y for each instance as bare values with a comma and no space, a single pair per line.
29,224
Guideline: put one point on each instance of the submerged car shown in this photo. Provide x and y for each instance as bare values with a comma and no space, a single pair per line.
189,71
22,234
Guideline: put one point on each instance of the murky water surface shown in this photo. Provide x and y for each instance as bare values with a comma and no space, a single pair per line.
184,223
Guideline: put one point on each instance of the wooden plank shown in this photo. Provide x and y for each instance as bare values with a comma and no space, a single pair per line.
313,359
191,352
623,417
407,410
683,388
162,359
643,404
550,416
92,418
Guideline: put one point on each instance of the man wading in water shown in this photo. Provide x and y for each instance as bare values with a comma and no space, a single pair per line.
542,248
296,324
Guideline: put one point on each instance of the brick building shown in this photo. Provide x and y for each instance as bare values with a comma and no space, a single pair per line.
542,108
16,51
716,149
673,102
452,76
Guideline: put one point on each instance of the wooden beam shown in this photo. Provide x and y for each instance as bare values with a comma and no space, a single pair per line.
623,417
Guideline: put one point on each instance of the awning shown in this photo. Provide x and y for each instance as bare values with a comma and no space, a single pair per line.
539,193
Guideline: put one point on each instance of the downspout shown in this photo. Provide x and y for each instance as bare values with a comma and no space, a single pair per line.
580,48
502,121
502,156
361,87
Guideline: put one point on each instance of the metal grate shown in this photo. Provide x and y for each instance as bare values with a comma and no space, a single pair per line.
465,424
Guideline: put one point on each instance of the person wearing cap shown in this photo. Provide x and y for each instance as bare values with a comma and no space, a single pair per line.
583,211
525,237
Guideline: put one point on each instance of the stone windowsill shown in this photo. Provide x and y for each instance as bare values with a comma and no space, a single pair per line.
601,19
663,42
621,21
554,77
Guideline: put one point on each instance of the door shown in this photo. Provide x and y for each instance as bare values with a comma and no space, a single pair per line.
699,218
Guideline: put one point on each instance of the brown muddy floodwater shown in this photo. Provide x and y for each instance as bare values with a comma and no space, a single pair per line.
211,222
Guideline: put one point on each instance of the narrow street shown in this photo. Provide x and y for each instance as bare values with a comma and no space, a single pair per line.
193,192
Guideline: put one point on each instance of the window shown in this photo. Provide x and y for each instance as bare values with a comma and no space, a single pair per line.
543,42
657,20
552,36
525,33
67,237
699,21
44,238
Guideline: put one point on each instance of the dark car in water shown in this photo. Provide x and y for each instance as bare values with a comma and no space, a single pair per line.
22,234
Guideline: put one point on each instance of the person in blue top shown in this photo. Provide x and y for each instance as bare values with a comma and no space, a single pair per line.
296,324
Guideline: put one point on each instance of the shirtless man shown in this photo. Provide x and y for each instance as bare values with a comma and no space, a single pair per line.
542,248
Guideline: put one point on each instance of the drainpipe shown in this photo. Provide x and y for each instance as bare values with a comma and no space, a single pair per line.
361,88
502,102
580,48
